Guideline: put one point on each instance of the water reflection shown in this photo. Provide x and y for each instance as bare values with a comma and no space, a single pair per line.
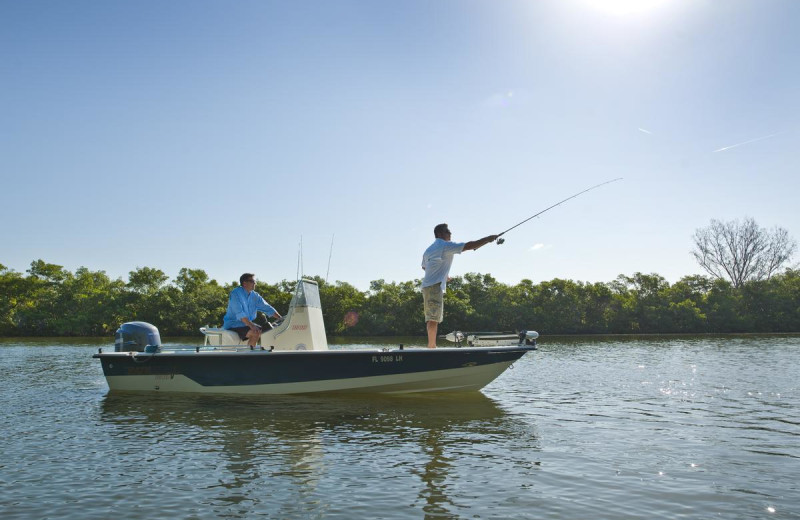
263,452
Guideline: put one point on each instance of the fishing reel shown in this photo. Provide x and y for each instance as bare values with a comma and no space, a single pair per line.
500,241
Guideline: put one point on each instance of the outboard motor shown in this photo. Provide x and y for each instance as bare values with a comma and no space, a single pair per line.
137,336
528,337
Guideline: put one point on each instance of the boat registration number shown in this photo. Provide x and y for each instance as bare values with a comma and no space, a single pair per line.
387,359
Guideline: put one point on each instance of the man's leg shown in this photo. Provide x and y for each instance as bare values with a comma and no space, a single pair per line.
252,337
432,298
433,327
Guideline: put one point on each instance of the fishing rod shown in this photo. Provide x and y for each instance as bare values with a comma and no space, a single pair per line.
329,260
501,240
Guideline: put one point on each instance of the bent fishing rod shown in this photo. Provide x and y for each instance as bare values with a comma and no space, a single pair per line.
501,240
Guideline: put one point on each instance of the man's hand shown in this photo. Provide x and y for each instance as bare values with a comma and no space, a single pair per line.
253,326
475,244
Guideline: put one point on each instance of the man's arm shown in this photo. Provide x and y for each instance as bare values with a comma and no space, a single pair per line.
475,244
237,307
268,309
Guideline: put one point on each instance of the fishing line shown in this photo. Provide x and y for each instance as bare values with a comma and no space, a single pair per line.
500,240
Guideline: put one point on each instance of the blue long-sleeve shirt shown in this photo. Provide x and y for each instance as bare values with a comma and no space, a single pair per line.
243,305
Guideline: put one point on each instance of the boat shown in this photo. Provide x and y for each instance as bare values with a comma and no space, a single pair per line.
294,358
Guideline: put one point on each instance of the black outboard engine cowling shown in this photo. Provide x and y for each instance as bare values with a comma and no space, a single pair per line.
136,336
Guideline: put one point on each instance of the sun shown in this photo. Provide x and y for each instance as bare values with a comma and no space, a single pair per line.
625,7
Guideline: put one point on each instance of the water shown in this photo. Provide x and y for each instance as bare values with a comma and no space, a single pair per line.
604,428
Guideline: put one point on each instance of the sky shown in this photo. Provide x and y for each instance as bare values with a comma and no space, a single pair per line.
223,135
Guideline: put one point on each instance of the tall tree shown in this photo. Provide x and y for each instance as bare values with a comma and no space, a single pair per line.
13,297
147,280
742,251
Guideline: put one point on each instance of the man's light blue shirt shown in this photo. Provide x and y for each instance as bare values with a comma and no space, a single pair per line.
437,259
243,305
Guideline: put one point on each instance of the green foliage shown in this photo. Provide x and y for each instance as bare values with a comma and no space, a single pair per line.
391,309
342,305
50,300
146,280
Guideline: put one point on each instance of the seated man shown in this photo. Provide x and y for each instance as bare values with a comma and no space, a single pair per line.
243,304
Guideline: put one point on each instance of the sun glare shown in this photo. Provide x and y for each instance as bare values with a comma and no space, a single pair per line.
625,7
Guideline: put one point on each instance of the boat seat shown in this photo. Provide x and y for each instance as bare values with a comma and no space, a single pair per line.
217,337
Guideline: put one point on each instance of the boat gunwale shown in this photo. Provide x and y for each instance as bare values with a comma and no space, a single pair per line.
193,351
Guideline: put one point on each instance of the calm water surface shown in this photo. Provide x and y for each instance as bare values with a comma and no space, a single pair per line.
594,428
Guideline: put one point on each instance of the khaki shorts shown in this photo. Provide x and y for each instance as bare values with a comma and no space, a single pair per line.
433,298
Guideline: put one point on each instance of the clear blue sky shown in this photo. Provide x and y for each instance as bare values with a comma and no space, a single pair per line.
214,134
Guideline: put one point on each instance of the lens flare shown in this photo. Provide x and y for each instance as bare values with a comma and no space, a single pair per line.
350,319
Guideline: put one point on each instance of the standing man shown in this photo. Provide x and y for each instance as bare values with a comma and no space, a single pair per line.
436,261
243,303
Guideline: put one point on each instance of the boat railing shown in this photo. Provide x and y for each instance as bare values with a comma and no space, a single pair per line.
212,348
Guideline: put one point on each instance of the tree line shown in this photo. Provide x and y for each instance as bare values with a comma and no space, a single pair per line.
50,300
